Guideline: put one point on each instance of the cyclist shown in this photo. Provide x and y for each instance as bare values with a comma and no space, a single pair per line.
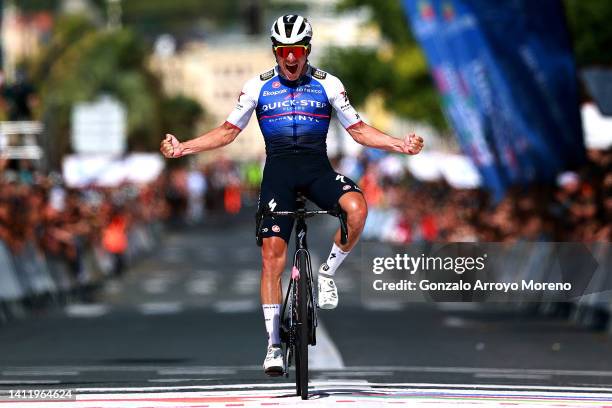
293,102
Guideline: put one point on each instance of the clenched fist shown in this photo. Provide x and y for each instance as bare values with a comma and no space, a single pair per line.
413,144
171,147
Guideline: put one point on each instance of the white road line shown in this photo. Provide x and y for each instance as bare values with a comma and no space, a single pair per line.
157,308
356,385
155,286
358,374
86,310
473,370
383,305
247,281
514,376
458,306
201,286
39,373
175,380
236,306
29,382
451,370
196,370
325,355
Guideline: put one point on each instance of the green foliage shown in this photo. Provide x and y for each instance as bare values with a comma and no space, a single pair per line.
82,62
388,15
360,69
589,23
399,73
180,113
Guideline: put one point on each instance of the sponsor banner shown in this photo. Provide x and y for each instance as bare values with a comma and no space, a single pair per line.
487,272
508,84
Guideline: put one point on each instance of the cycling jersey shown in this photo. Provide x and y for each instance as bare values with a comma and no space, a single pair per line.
294,116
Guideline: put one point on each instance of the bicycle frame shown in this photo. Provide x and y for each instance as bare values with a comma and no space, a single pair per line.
288,326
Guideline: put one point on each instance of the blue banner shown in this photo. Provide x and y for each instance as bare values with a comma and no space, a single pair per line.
506,73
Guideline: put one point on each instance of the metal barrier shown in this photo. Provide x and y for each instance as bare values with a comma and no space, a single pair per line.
28,276
10,288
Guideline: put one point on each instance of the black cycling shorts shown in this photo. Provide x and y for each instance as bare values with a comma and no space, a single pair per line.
310,174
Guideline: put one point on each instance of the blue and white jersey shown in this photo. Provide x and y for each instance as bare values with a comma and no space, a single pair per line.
294,117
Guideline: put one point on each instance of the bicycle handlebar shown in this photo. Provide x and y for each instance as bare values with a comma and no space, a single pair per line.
336,212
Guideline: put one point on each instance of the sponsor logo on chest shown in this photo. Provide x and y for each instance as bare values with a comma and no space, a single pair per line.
297,103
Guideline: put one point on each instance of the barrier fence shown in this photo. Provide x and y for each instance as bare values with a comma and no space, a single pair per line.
31,279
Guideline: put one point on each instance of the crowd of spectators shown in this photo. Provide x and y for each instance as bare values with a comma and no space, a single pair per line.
219,186
404,210
38,209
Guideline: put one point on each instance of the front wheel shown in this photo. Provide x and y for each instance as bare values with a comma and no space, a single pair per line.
303,329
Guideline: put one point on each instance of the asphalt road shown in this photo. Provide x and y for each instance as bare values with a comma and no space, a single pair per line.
189,316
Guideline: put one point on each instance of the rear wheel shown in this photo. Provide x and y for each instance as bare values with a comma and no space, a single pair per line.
303,330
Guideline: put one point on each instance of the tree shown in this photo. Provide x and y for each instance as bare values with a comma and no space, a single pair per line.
398,72
589,23
82,62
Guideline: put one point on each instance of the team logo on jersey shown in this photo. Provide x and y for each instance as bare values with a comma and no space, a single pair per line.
272,93
272,205
264,230
275,228
317,73
345,95
347,187
267,75
276,84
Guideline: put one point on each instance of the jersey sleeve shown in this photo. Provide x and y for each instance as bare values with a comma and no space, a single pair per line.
338,98
247,101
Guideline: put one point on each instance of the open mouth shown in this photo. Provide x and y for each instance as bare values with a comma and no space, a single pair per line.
292,68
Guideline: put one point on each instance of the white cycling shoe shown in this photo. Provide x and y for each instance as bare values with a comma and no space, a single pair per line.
328,294
274,364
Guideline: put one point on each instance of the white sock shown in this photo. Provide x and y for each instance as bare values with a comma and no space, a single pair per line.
335,258
272,318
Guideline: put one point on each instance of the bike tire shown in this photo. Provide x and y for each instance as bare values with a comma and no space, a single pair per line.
303,335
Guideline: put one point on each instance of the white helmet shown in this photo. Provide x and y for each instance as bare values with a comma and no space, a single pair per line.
291,29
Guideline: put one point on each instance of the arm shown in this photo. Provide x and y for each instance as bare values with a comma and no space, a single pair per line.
218,137
363,133
367,135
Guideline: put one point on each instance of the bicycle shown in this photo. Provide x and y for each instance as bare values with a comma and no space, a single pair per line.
299,314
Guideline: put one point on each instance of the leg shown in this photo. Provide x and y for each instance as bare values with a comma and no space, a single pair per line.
274,255
277,194
356,211
327,191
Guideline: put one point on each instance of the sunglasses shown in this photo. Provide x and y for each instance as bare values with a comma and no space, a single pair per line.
283,51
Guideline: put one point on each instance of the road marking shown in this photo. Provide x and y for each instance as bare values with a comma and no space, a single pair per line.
39,372
177,380
235,306
514,376
451,370
364,394
157,308
473,370
458,306
112,287
358,373
30,382
201,286
86,310
247,281
325,355
384,305
196,370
